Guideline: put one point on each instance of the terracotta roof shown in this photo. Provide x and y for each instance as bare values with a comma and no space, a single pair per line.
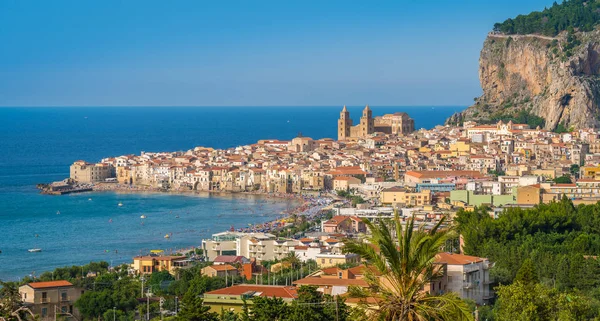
222,267
331,281
456,259
50,284
278,291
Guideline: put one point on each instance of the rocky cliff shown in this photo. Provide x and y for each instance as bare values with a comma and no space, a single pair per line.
557,78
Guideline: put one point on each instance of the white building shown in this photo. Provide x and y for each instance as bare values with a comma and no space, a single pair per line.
468,276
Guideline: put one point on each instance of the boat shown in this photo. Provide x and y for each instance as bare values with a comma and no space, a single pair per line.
120,204
57,212
143,216
167,236
89,199
34,250
176,216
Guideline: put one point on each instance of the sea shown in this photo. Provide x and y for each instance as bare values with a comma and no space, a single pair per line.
37,145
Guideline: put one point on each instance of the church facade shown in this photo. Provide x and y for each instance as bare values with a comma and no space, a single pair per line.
396,124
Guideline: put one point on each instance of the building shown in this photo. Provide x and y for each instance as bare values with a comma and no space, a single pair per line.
396,196
332,259
396,124
221,270
150,264
335,281
364,129
83,172
259,246
51,299
234,297
468,276
344,224
342,183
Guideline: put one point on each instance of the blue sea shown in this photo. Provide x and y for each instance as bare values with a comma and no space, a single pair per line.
37,145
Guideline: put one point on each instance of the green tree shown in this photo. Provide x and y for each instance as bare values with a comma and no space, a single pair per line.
565,179
268,309
10,302
527,273
193,309
405,263
519,301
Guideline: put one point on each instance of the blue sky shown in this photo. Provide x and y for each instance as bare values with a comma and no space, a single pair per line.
238,53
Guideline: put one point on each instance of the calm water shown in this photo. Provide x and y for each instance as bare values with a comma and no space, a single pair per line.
38,144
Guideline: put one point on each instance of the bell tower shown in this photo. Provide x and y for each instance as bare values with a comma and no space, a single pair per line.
367,123
344,124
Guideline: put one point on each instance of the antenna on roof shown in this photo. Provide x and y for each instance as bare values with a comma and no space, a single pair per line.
299,134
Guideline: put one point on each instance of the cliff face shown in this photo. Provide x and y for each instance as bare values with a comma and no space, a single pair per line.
554,78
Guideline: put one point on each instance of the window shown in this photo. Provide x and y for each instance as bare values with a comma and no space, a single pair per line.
63,296
63,309
44,312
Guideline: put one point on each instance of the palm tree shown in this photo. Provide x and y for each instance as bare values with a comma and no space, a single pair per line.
403,266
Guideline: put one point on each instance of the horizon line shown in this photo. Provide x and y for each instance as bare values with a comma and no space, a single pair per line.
218,106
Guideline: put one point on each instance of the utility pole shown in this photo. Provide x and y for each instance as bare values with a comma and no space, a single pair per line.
337,315
148,305
114,314
176,305
162,300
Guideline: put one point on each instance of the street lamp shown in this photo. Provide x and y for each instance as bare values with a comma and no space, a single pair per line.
114,314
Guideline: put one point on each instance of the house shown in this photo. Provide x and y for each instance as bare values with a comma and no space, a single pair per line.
51,299
233,298
150,263
222,271
334,281
342,183
332,259
468,276
344,224
230,259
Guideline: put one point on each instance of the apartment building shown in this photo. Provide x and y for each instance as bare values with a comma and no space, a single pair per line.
468,276
84,172
51,300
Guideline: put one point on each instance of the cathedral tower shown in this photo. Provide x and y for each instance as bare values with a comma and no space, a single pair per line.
344,124
367,123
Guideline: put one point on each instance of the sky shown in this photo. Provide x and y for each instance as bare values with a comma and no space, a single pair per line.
245,53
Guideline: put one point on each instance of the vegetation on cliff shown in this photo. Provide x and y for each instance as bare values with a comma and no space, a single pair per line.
580,14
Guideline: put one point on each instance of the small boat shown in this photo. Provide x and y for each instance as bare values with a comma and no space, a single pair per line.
120,204
34,250
89,199
57,212
143,216
176,216
167,236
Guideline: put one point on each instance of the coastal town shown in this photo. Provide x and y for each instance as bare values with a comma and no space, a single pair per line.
377,169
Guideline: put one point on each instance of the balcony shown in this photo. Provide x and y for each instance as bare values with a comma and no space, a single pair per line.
467,285
65,298
45,300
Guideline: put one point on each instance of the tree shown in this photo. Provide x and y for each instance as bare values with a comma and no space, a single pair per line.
268,309
565,179
313,305
193,309
527,273
519,301
405,263
10,301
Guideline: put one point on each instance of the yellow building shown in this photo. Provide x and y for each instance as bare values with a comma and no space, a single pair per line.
51,300
330,259
84,172
151,264
529,195
397,195
234,297
365,128
222,270
590,172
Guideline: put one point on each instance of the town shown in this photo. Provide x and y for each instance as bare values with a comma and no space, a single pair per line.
376,170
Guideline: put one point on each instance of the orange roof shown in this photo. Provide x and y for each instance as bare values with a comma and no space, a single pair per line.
331,281
49,284
442,174
278,291
223,267
456,259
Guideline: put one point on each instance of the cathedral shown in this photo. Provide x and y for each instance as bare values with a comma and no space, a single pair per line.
397,124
